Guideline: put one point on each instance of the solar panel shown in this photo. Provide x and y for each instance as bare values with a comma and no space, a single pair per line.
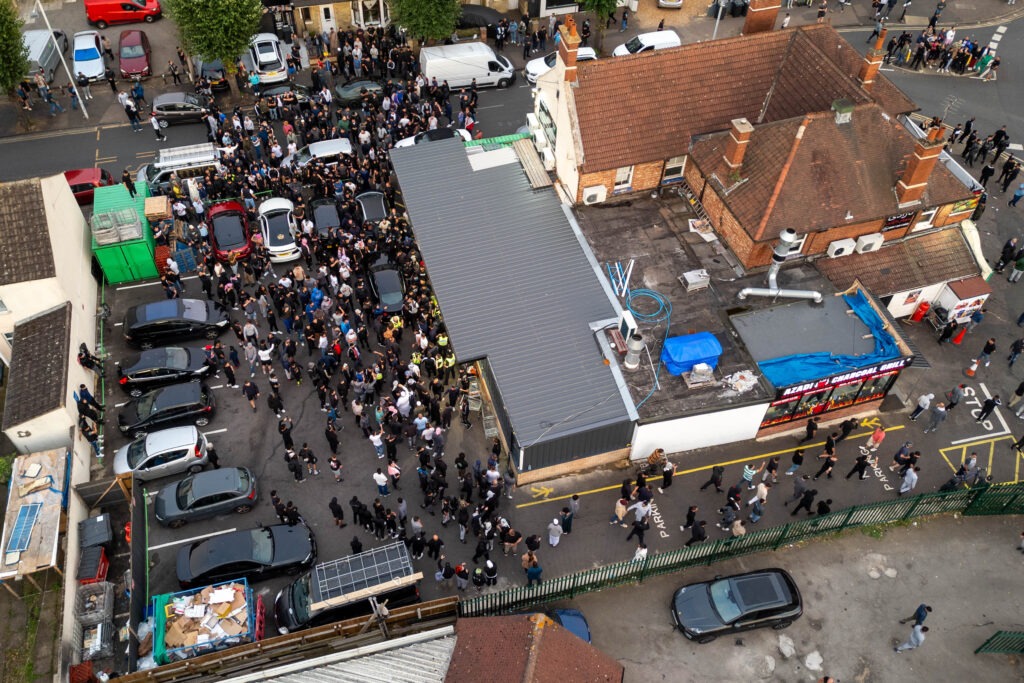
21,535
341,577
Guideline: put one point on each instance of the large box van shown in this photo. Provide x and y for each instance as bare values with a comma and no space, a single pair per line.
657,40
459,64
102,13
341,589
42,53
189,161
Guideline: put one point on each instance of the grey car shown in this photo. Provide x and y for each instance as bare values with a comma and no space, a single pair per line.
206,494
162,453
180,107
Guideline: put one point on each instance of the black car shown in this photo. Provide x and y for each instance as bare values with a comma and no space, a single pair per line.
171,320
180,107
214,72
325,216
352,93
255,554
188,403
206,494
388,285
157,367
372,206
703,611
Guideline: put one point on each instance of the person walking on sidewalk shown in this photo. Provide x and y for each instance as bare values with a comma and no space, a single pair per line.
749,472
619,515
799,486
668,470
954,395
909,481
987,407
798,459
919,615
874,441
846,428
936,418
1018,267
924,401
554,532
697,533
900,457
1016,348
915,640
1018,393
717,472
806,500
810,429
860,468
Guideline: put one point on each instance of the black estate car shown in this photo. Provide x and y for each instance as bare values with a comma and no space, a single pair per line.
177,404
255,554
206,494
703,611
157,367
171,320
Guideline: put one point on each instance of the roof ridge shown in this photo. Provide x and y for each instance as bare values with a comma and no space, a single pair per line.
775,78
782,178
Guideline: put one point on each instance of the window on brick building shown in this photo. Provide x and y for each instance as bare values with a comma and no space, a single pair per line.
674,170
623,178
798,246
925,220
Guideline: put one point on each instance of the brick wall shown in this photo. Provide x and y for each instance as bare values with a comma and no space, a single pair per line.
646,177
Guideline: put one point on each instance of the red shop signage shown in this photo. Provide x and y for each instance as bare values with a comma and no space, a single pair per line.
860,373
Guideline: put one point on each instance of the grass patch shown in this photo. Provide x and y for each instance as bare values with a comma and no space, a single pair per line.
6,467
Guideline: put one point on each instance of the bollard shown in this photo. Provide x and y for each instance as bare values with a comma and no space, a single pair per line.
971,370
960,335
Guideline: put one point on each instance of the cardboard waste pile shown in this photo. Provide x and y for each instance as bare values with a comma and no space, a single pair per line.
204,620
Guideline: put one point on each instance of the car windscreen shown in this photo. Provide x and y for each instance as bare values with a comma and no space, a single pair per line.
300,599
390,287
243,481
549,61
228,231
136,452
279,232
183,495
262,545
724,602
504,62
326,216
146,404
132,51
193,100
86,54
195,309
634,45
177,358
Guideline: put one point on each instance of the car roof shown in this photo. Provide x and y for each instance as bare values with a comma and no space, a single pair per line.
222,549
83,175
171,439
154,358
166,97
168,309
209,482
276,204
759,590
222,207
185,393
131,33
329,147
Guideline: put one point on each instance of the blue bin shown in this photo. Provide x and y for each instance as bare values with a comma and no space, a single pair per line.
680,354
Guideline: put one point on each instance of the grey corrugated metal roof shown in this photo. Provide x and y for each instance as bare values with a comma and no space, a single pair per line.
425,662
514,286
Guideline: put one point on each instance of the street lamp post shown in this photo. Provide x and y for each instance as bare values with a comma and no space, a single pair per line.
60,53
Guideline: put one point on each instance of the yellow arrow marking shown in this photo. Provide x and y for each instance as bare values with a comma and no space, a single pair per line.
540,491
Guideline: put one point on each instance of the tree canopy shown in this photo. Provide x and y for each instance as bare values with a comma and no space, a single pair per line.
13,53
434,19
600,8
216,29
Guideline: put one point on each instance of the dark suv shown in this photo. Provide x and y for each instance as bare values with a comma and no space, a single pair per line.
171,320
180,107
188,403
157,367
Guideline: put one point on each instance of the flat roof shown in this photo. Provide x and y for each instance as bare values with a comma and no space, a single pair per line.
796,327
32,520
515,287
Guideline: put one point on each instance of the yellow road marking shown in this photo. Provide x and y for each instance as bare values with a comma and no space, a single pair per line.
703,468
962,450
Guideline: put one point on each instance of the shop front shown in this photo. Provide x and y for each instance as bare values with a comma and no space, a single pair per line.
808,399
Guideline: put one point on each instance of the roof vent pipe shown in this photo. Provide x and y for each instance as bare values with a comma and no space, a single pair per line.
787,240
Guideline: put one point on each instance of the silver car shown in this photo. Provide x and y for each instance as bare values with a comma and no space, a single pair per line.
162,453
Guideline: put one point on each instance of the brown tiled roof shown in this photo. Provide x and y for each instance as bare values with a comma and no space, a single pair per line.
645,107
525,649
808,179
25,251
940,256
39,366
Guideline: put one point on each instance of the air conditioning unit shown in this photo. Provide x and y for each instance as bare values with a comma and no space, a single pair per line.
548,158
841,248
627,324
595,194
872,242
539,141
532,122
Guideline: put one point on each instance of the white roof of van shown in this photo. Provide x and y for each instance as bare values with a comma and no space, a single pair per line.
456,51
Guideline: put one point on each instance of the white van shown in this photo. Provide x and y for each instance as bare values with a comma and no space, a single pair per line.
460,64
189,161
42,52
327,152
658,40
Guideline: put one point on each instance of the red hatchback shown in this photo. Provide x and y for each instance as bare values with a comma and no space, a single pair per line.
134,55
229,230
84,181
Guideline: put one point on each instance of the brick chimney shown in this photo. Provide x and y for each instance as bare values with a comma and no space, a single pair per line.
736,146
914,182
567,47
872,62
761,16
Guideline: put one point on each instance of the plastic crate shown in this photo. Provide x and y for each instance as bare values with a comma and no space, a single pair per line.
97,641
93,566
94,603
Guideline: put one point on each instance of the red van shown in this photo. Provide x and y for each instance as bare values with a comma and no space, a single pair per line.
102,13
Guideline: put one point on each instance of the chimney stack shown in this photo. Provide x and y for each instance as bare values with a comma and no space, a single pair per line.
736,146
567,47
761,16
914,181
872,62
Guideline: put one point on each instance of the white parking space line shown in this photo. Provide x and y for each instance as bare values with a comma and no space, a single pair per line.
153,284
492,106
120,405
215,431
189,540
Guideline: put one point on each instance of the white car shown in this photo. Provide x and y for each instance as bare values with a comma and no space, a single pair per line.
535,68
277,225
88,56
267,59
436,134
162,453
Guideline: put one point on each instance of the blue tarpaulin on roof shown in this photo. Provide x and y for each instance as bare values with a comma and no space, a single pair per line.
680,354
806,367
